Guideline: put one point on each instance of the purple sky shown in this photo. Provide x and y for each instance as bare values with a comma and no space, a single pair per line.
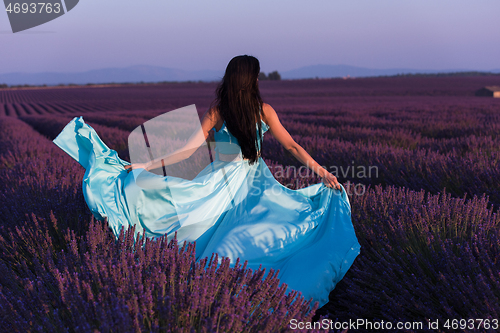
283,34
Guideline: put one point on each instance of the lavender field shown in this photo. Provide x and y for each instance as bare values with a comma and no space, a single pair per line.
427,216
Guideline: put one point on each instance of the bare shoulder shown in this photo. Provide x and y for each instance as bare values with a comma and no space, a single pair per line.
213,113
268,113
211,118
276,128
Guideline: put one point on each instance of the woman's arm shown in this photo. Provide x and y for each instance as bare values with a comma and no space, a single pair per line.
210,118
281,134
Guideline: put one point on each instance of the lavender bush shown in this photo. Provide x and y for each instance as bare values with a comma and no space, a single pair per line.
99,283
426,258
36,176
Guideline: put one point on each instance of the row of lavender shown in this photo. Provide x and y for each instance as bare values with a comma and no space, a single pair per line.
370,152
316,94
424,257
26,102
61,269
61,108
395,86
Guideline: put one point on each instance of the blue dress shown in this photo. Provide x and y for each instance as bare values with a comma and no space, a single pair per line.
231,208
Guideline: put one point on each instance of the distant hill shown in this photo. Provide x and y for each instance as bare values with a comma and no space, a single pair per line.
331,71
131,74
146,73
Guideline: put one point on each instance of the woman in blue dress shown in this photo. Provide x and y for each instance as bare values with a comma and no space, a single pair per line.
234,207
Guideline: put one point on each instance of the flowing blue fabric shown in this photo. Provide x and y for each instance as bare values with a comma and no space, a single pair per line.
231,208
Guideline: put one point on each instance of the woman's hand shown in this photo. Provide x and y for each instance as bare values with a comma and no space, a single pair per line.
330,181
136,166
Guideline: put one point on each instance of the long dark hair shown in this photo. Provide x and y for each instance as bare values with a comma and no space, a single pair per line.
240,105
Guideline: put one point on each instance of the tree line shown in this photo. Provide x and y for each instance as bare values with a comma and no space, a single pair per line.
271,76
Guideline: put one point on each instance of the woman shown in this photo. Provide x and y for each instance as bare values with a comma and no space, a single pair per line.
240,109
234,207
